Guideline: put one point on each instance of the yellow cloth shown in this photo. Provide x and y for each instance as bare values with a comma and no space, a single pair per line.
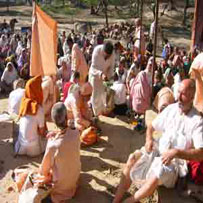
33,97
44,44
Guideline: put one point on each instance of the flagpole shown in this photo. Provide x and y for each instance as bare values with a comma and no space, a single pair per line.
155,43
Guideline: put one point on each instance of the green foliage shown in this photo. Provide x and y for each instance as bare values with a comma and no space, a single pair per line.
90,2
59,9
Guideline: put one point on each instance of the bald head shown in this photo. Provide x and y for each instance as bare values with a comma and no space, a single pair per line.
59,115
186,95
189,85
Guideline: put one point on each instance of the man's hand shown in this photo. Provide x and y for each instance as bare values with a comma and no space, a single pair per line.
149,145
50,135
168,156
104,77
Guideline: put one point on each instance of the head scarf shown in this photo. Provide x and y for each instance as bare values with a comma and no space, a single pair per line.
33,97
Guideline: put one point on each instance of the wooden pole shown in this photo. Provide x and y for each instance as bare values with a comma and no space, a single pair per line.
155,42
141,30
194,25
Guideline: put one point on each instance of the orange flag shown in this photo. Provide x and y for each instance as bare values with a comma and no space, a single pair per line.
44,44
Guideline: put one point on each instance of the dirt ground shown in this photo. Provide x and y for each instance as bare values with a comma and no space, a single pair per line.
102,163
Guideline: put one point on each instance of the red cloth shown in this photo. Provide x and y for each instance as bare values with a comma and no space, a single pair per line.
196,171
65,90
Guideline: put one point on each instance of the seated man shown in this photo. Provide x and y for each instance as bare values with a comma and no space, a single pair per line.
60,165
32,127
77,106
120,96
16,96
62,157
182,140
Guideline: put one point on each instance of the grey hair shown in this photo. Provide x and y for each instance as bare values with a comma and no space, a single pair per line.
59,115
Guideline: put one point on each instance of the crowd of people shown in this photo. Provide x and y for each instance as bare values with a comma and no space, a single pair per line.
98,77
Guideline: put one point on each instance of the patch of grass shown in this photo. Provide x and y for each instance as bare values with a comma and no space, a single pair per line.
54,10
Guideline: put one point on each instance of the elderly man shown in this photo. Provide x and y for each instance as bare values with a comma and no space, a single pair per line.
101,69
182,140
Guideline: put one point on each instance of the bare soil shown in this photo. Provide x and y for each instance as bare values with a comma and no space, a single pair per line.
102,163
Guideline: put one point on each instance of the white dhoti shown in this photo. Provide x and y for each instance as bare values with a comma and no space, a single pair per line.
98,98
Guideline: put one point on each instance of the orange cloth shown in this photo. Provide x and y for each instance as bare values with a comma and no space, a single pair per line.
44,44
79,63
33,97
88,136
196,72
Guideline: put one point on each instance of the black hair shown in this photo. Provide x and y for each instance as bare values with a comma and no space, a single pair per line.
108,47
76,75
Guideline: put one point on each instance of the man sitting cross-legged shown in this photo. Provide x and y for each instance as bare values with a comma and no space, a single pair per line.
182,139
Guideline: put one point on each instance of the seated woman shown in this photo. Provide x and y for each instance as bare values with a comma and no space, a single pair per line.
77,105
8,77
32,126
62,157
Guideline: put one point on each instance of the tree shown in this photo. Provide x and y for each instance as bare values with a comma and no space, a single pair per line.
185,12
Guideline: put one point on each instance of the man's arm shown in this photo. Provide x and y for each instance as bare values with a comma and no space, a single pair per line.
191,154
149,138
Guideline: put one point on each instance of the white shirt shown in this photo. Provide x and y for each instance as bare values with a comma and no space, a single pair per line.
9,77
122,78
28,137
100,65
120,92
179,131
14,100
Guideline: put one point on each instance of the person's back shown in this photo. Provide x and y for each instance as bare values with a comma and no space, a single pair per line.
65,154
66,168
120,92
62,157
15,99
29,141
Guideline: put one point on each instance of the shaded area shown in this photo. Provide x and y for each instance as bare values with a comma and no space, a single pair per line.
15,13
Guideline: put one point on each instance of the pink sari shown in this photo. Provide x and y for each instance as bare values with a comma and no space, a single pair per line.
79,63
140,93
